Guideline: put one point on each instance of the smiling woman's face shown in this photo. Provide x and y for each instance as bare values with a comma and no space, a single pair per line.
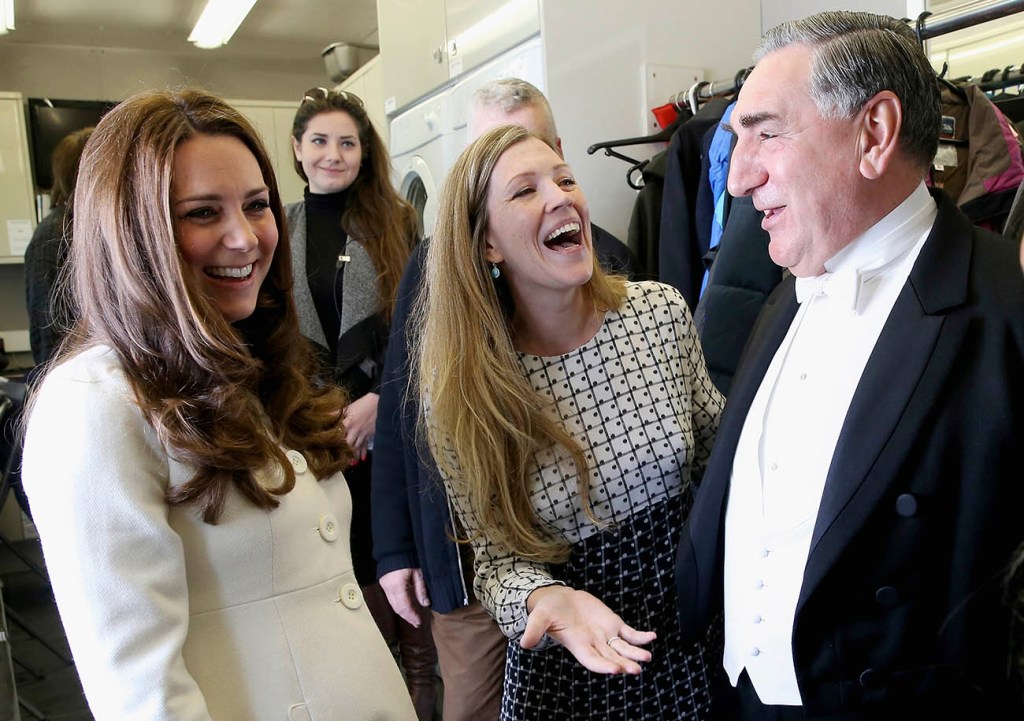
223,222
538,229
330,152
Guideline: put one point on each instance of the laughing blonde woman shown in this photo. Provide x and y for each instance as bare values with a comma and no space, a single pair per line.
569,412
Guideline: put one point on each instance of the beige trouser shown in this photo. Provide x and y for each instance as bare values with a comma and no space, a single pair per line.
471,653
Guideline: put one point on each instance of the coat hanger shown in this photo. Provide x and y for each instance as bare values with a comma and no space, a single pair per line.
693,95
955,86
662,136
919,28
635,175
635,166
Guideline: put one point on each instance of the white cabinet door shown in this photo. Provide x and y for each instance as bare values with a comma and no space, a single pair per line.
17,209
366,83
289,182
413,49
273,120
479,30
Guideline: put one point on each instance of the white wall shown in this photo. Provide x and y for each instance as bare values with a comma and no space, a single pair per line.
774,12
594,59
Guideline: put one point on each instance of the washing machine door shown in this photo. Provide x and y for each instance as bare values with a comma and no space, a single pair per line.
418,187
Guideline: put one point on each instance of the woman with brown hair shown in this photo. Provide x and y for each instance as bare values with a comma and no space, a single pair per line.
351,237
46,254
184,473
568,427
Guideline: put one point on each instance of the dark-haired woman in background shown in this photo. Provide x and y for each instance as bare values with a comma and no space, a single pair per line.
351,237
48,312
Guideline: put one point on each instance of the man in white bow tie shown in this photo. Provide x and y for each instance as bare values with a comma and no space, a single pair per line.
863,501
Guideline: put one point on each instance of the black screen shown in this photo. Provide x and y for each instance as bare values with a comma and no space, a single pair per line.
49,121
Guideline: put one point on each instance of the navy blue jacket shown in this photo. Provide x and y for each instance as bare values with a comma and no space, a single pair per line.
411,527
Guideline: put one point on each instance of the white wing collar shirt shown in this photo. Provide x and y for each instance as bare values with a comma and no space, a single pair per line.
789,436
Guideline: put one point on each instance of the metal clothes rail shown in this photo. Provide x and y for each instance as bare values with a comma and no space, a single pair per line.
701,90
998,79
930,25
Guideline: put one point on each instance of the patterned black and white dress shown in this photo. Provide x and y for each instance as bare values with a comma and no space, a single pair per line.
638,399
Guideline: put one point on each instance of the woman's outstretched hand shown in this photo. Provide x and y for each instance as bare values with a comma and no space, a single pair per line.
592,632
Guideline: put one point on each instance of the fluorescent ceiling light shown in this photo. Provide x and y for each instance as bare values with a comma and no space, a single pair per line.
219,21
6,16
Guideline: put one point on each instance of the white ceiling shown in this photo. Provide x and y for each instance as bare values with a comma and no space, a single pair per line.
274,28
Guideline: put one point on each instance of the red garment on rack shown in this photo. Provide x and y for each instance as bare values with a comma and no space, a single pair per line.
665,114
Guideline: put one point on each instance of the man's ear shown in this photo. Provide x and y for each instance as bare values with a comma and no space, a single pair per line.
881,121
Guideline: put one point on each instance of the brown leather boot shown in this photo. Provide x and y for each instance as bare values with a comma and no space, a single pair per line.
377,604
419,661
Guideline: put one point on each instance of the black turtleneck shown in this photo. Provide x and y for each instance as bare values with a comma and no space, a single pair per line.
325,241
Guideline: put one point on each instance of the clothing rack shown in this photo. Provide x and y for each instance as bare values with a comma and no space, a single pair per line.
928,25
684,100
931,25
701,90
998,79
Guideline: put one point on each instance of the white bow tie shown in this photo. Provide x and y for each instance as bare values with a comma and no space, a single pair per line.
844,287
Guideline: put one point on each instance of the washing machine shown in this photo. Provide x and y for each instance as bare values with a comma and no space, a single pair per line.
419,139
427,138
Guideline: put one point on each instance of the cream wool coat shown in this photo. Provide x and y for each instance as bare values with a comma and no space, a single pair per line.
256,618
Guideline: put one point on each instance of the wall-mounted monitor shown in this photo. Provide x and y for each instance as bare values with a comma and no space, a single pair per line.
49,120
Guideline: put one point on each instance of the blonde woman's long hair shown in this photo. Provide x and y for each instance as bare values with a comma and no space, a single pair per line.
484,421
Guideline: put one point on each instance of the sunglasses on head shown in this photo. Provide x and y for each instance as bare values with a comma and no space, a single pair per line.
317,94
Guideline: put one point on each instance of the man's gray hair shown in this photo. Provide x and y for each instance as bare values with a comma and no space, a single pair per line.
857,55
511,94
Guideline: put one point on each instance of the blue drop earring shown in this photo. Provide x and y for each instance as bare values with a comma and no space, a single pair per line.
495,271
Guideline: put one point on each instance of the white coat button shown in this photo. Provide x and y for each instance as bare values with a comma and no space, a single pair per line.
297,460
328,528
755,651
765,552
757,618
351,596
758,584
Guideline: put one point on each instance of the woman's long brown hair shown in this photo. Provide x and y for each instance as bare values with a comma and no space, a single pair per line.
222,399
